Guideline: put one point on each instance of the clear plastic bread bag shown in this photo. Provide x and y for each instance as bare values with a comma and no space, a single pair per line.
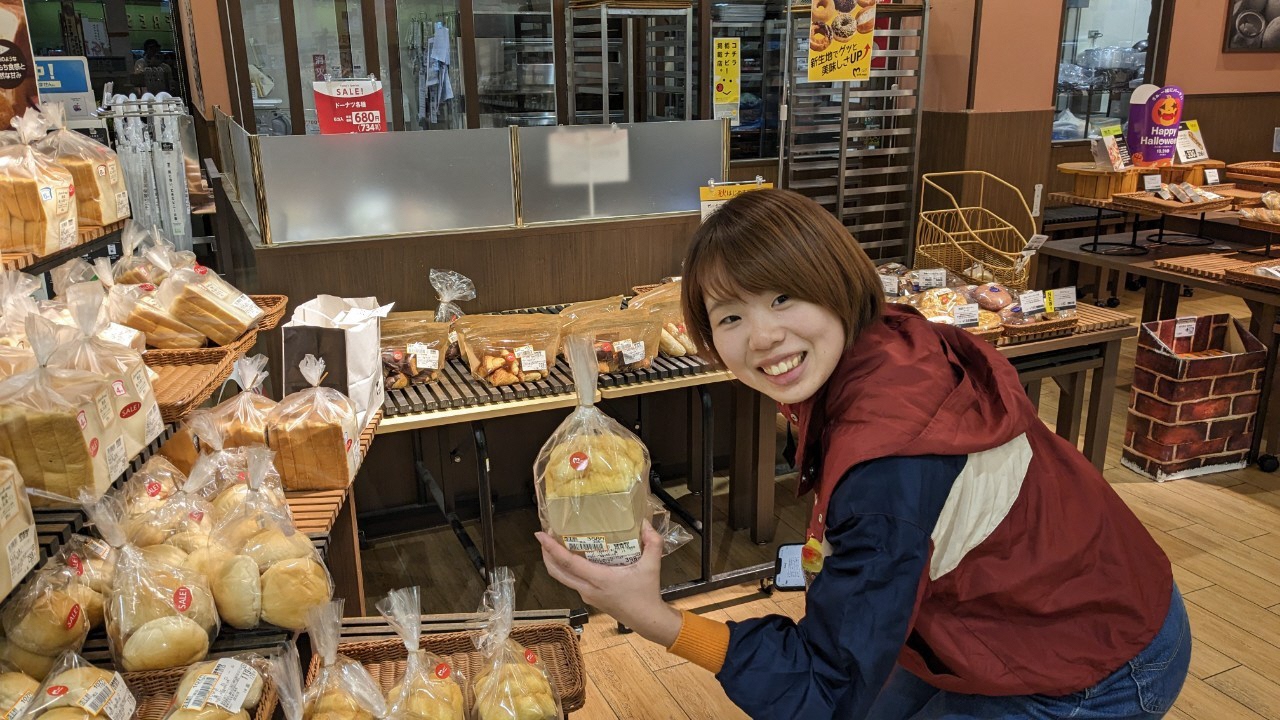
223,689
509,349
92,563
184,520
315,434
133,267
16,303
413,351
622,341
42,619
197,297
268,549
151,486
138,307
100,195
17,690
59,426
451,288
589,308
430,689
37,196
512,683
285,670
75,270
664,301
341,686
132,397
77,690
230,466
18,531
243,418
592,476
164,616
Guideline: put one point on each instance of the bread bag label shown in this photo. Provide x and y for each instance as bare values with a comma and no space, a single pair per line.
620,553
226,686
19,707
141,383
22,552
583,544
443,671
117,459
122,204
67,233
182,599
110,698
113,171
632,352
532,360
64,199
8,503
246,305
155,423
99,548
425,357
103,404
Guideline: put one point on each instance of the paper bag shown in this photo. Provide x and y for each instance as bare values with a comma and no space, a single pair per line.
346,332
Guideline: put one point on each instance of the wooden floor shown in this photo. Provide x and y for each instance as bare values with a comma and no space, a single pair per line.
1222,533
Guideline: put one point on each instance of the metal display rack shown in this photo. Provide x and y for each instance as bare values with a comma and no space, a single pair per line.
854,146
762,51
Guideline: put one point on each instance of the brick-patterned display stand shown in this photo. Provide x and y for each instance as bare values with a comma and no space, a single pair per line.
1192,416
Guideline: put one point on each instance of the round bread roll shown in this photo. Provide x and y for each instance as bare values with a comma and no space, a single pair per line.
191,541
338,705
76,681
53,623
517,691
614,465
189,680
150,529
290,588
164,555
90,602
13,685
152,603
99,573
271,546
167,642
237,592
207,561
428,699
357,714
65,713
208,712
33,664
236,533
234,496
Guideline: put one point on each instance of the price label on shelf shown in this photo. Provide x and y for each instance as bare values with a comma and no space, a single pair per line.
1060,299
1032,302
1211,177
935,278
966,316
1035,243
1184,328
1151,183
891,284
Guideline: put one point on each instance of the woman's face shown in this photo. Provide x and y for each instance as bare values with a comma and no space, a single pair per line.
782,347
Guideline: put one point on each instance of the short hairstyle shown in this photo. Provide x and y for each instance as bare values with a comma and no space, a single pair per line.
779,241
150,43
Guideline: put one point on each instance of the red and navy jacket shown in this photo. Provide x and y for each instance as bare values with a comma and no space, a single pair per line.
963,539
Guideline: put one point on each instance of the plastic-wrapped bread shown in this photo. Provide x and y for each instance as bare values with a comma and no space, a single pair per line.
229,487
17,690
138,307
183,520
206,302
76,690
509,349
37,203
315,435
150,488
101,197
664,301
342,689
242,420
92,564
220,689
58,426
430,689
621,341
43,619
17,529
513,684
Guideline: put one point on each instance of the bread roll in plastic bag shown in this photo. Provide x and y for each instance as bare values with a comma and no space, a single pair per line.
138,307
76,690
199,298
37,195
101,196
622,341
430,689
315,434
92,564
451,288
589,308
133,267
509,349
664,301
17,690
59,426
592,476
220,689
242,419
151,486
132,397
512,684
43,619
342,689
229,486
414,350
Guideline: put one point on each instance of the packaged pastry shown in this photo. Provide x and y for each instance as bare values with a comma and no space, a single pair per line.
430,688
590,308
200,299
993,297
230,469
664,302
988,320
43,619
592,476
512,683
37,195
414,349
101,197
133,267
1262,214
184,519
937,301
342,689
242,420
451,288
623,341
220,689
1271,200
315,435
17,690
151,486
509,349
132,398
58,426
76,690
92,564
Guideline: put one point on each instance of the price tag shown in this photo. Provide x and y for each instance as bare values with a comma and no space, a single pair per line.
892,285
1032,302
1211,176
932,278
966,316
1151,183
1035,243
1185,328
632,352
1060,299
532,360
427,358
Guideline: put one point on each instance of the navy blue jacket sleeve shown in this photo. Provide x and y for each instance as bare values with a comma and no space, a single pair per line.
858,609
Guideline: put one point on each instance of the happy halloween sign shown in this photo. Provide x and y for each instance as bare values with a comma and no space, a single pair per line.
1154,117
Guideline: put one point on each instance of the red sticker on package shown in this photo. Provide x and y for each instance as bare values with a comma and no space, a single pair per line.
117,386
93,447
443,671
182,599
201,270
578,461
147,287
531,656
196,515
57,690
130,410
73,616
74,562
82,419
153,488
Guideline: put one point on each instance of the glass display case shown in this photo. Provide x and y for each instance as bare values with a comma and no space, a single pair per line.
264,46
515,62
1105,54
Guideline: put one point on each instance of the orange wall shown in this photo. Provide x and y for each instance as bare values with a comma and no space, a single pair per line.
947,53
1017,55
1197,63
207,51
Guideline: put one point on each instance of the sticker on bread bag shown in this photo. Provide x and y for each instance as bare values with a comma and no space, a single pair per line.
117,461
8,503
67,233
19,707
22,552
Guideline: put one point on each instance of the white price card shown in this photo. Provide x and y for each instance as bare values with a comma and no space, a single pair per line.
532,360
1151,183
1035,243
1032,302
934,278
427,358
1185,328
1061,299
632,352
1211,176
966,316
892,285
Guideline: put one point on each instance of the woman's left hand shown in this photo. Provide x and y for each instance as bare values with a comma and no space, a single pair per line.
631,594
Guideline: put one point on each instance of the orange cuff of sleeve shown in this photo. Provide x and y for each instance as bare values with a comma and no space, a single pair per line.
701,641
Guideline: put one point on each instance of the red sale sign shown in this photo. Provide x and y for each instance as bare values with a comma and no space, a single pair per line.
350,106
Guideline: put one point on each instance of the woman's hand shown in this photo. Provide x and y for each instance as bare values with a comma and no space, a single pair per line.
631,594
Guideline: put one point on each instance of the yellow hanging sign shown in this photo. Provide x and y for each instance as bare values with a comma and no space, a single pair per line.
840,45
714,196
728,78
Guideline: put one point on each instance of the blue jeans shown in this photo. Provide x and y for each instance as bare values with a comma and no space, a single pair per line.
1143,688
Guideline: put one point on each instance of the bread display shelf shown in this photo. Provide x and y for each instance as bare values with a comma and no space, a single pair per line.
273,307
187,378
1244,275
92,239
1146,202
1268,169
154,691
1210,267
1239,198
1265,227
316,511
1016,334
555,644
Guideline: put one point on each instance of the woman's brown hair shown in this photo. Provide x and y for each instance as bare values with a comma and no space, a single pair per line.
779,241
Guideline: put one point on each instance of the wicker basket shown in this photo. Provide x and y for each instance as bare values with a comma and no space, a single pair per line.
1245,275
1192,173
958,237
991,336
273,307
1100,183
244,343
153,689
1014,334
187,378
1148,203
555,644
1265,168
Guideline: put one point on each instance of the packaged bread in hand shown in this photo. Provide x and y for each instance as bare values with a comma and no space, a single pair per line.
133,400
509,349
59,426
223,689
512,683
341,689
414,349
664,301
199,298
430,689
315,435
242,420
592,476
622,341
101,196
43,619
37,195
92,564
76,690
